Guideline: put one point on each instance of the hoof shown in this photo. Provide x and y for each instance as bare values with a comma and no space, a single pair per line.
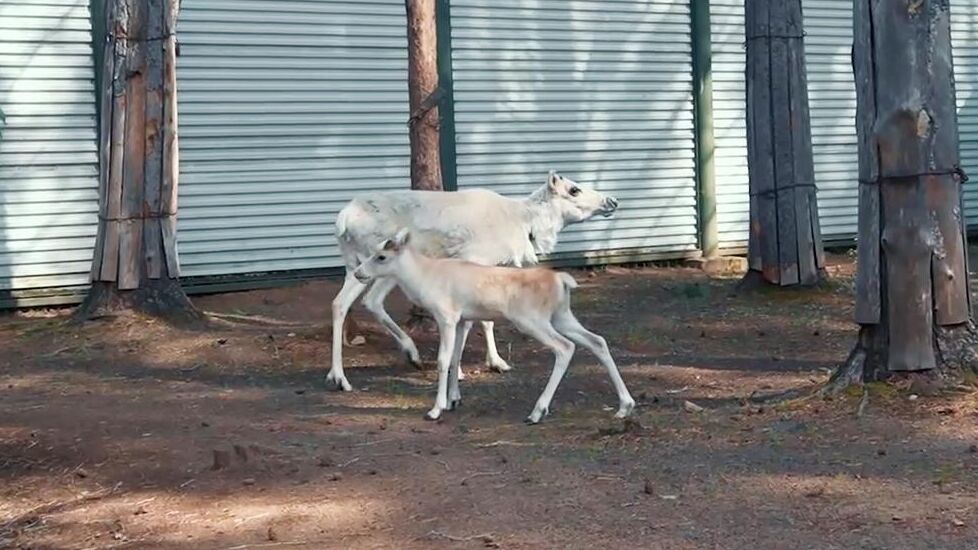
413,360
455,404
433,414
499,366
625,410
338,382
536,416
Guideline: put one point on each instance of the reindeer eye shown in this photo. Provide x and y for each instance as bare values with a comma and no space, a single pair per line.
575,191
381,258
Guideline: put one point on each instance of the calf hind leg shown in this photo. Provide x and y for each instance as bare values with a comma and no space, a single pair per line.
569,326
563,351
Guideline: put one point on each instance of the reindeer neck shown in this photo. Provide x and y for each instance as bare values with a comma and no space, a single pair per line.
544,219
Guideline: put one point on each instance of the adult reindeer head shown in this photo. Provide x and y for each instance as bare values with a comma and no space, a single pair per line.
576,202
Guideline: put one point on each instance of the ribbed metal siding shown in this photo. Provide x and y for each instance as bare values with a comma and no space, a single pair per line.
600,91
48,160
832,97
729,115
287,110
964,38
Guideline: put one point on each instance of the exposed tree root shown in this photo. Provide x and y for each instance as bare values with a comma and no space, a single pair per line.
956,352
162,299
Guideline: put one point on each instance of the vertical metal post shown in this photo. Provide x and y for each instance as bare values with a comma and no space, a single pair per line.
703,104
446,108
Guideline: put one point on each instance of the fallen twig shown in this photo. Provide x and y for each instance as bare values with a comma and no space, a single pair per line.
53,506
348,462
485,537
863,403
466,479
369,443
496,444
281,543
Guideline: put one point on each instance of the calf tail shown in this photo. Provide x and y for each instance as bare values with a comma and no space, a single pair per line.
567,281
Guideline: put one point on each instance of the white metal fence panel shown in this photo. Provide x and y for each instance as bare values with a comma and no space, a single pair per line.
287,110
964,38
48,159
598,90
832,97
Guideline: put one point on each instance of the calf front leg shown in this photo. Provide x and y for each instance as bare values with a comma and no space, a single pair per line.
447,329
454,392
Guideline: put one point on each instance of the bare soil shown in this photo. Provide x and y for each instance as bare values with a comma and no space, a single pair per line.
127,433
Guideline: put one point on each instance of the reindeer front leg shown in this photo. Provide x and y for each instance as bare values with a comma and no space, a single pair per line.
493,360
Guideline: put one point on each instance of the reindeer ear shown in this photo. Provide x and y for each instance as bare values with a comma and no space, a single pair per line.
553,181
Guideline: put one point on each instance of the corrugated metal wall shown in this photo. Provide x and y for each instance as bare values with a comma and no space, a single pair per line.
729,120
287,109
48,160
832,97
600,91
964,38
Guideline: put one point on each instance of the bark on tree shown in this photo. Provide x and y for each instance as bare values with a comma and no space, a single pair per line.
423,95
135,262
785,242
912,295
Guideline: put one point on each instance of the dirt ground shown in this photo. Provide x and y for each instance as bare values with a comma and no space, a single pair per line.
110,432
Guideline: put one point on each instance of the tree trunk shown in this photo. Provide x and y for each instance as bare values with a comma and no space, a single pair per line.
785,243
423,94
135,263
912,293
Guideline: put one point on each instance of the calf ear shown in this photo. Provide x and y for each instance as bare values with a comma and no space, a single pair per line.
401,238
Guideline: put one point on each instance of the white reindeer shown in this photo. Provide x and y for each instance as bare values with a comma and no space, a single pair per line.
536,300
476,225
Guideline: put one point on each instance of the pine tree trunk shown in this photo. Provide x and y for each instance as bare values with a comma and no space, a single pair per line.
785,242
135,263
423,95
912,294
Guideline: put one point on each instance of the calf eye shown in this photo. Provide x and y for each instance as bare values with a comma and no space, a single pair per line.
575,191
381,258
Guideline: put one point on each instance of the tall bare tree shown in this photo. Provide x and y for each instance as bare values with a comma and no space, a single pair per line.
785,246
912,295
135,264
423,94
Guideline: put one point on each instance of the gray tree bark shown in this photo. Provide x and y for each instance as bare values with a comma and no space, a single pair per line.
912,295
785,243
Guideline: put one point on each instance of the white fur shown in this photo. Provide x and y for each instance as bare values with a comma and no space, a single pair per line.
476,225
537,301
